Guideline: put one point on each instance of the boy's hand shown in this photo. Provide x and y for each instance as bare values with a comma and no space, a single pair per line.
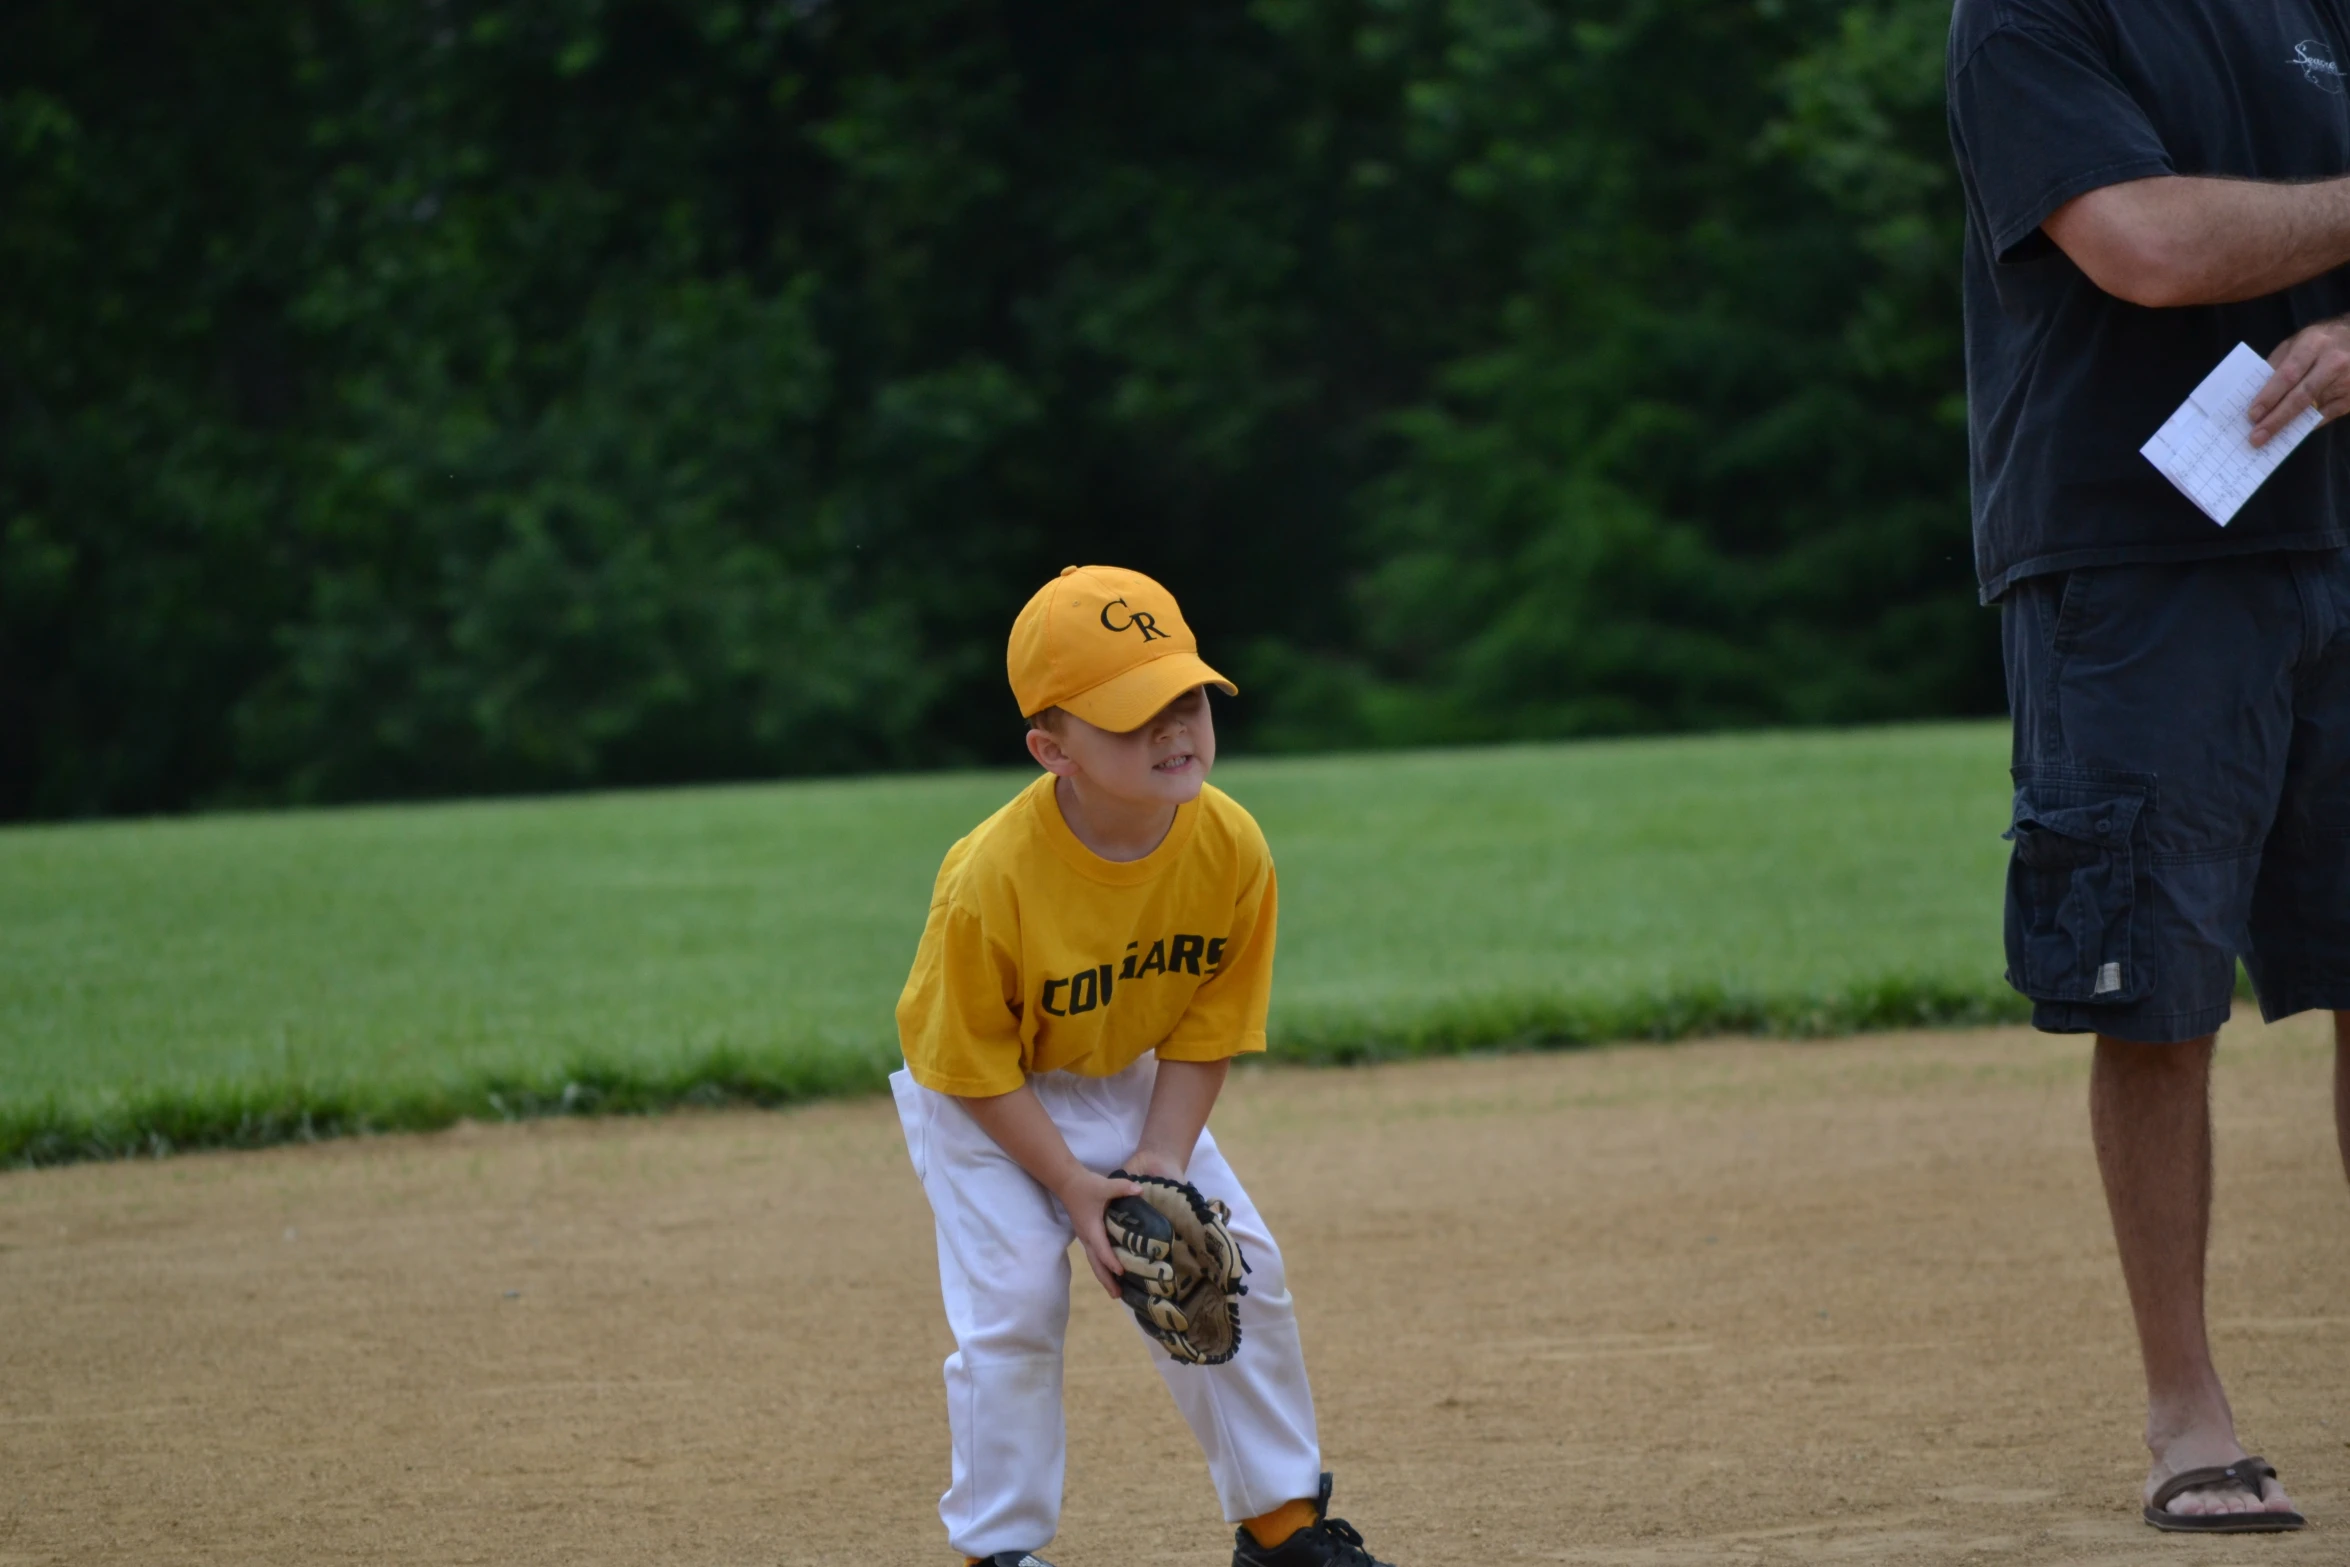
1085,1194
1019,1126
1145,1162
1180,1101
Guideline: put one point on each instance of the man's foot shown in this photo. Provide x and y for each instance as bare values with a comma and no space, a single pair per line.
2232,1490
1010,1559
1326,1542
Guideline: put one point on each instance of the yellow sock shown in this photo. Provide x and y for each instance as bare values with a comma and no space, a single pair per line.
1270,1529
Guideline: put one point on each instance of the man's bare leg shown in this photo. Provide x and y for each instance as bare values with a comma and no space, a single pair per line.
2342,1087
2150,1114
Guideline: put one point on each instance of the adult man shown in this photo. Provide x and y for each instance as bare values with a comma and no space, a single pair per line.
2149,182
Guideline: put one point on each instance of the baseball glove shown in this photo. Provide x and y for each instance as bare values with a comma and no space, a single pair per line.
1181,1268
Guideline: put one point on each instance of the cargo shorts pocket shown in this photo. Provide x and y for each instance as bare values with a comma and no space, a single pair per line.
2075,923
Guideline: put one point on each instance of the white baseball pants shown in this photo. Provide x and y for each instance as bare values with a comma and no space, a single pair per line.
1003,1266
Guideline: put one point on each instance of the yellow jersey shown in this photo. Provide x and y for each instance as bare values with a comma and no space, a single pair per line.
1041,956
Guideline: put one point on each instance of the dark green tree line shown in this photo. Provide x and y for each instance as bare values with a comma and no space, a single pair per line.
457,395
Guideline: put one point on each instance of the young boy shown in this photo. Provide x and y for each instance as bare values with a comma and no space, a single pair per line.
1097,952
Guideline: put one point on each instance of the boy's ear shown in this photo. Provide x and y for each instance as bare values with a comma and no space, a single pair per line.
1046,748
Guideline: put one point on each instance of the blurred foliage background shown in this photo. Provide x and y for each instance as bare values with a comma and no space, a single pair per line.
455,396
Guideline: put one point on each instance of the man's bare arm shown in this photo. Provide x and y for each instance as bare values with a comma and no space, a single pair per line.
2178,240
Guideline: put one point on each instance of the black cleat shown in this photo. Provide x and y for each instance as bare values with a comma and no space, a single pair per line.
1014,1559
1326,1542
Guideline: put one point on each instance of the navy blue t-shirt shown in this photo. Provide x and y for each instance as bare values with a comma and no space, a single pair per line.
2050,99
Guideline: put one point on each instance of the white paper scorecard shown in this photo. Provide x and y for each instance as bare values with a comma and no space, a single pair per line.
2206,448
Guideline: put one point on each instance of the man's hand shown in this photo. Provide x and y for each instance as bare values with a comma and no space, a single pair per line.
2312,371
1085,1194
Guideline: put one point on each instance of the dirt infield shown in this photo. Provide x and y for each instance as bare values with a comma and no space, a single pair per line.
1735,1302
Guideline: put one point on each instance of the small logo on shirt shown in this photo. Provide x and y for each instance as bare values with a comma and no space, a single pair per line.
2315,57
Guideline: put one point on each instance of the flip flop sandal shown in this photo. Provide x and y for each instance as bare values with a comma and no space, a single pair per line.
2245,1474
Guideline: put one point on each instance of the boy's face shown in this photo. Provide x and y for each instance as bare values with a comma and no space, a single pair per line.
1162,763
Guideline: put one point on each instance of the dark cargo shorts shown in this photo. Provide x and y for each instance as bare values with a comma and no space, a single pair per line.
2182,791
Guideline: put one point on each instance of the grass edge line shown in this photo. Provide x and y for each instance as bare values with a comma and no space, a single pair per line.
261,1114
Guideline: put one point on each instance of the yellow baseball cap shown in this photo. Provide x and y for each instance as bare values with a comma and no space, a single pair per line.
1106,644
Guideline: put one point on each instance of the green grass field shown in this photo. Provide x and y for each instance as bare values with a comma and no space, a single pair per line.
245,979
